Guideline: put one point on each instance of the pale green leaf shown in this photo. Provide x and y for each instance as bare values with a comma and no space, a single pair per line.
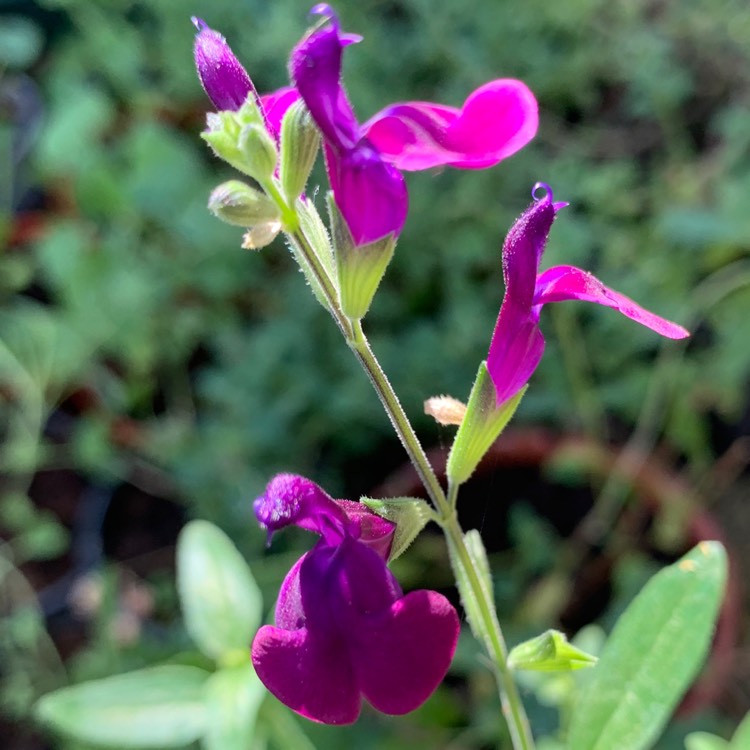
221,602
233,697
155,707
741,737
652,656
705,741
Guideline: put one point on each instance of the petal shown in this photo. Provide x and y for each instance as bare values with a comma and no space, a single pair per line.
290,499
495,121
308,671
370,194
315,69
403,654
517,343
570,283
223,78
275,106
369,528
515,352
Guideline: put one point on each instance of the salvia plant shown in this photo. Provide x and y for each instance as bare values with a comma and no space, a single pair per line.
344,632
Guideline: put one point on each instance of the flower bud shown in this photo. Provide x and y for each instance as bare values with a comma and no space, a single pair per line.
242,205
300,140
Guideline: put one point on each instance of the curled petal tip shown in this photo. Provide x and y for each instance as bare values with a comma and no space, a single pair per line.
325,10
199,23
542,191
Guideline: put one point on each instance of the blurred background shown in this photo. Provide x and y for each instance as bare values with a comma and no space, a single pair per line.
152,372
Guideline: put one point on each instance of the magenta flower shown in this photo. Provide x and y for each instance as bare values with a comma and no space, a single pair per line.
227,83
344,630
363,161
517,342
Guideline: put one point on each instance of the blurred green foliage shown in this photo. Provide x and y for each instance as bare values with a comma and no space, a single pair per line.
194,370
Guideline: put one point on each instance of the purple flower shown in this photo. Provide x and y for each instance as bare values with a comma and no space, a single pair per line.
343,628
517,342
363,161
227,83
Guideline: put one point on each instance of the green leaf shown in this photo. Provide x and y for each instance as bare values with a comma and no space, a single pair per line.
472,573
220,600
741,738
705,741
653,654
549,652
410,514
156,707
233,697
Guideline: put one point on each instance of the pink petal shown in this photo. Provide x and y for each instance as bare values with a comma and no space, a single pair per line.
403,654
570,283
275,106
496,120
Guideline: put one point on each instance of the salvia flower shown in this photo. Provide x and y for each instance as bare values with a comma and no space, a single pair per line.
344,629
363,161
517,342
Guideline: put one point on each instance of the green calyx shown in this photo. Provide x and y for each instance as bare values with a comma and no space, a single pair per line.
300,141
481,426
240,138
360,268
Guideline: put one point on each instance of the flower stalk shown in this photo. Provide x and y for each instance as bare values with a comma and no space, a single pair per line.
475,594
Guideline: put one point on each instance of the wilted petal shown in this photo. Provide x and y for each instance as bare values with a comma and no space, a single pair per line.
221,74
403,654
370,193
496,120
275,106
570,283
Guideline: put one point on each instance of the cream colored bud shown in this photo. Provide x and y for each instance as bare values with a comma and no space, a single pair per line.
445,409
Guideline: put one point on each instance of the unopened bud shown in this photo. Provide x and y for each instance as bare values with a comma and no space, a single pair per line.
242,205
300,140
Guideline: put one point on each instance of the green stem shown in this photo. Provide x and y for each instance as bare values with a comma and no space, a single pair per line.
478,594
479,605
361,347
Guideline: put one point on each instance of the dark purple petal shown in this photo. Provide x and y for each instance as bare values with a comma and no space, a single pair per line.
223,78
517,343
275,105
310,672
370,193
497,119
403,654
292,499
570,283
315,69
